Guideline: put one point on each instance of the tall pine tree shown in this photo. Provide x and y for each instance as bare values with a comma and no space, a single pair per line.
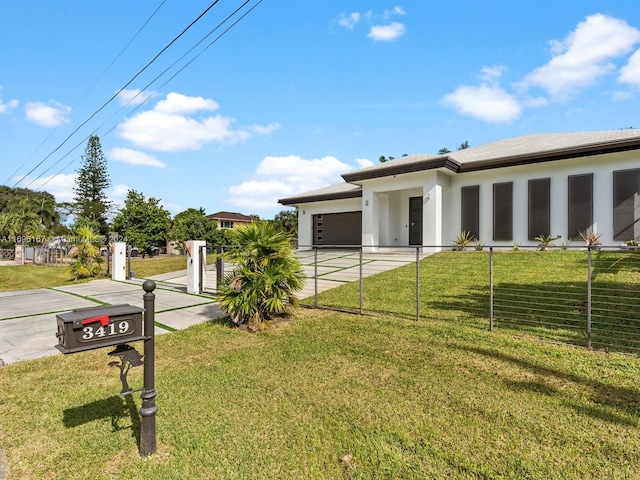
93,179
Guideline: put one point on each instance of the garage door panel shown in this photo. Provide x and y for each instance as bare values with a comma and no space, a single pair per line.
337,228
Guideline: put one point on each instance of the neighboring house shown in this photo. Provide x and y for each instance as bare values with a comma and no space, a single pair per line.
229,219
503,192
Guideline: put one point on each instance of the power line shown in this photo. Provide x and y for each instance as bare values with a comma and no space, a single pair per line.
89,89
117,93
153,81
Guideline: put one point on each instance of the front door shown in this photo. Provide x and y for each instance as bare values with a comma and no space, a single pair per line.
415,221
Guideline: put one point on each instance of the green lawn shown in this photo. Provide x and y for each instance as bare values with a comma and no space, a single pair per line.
404,399
535,293
24,277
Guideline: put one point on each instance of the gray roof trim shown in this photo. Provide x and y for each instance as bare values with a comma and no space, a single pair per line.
614,146
356,193
429,164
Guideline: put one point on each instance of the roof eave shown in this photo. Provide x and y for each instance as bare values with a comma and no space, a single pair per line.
430,164
292,201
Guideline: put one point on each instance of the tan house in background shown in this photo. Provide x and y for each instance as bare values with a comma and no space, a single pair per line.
229,219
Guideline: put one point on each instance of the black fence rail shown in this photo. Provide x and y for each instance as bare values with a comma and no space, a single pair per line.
580,296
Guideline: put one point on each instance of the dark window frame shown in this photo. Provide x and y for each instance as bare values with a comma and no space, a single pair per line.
539,207
470,210
579,194
625,215
503,211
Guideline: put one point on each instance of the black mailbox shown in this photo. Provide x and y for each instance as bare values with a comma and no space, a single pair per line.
96,327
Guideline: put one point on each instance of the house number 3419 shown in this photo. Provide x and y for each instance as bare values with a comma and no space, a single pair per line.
90,332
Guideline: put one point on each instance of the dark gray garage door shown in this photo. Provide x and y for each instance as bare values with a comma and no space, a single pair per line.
337,228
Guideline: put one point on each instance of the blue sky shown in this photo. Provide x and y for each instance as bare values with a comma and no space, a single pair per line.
298,92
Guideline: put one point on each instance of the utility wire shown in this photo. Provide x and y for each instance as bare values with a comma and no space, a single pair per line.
89,89
151,83
117,93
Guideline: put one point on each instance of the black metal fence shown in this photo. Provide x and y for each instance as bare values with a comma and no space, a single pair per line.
579,296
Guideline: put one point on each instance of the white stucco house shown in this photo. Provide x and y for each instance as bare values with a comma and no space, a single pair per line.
504,192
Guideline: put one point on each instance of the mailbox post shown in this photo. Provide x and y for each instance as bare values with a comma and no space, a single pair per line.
149,408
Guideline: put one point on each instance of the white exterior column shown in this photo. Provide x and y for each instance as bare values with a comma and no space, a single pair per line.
195,274
432,217
118,261
370,222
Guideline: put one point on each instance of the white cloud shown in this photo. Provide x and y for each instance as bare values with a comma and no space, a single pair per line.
60,186
134,157
6,107
630,73
488,103
177,103
394,11
170,126
264,129
280,177
583,57
135,96
493,73
386,33
50,114
349,21
619,96
364,162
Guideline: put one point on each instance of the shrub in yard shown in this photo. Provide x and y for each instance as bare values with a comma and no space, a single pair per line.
266,274
86,253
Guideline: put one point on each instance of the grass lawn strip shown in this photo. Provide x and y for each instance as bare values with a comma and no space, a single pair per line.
404,399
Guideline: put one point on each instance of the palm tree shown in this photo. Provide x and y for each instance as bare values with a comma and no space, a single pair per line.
265,277
88,260
22,219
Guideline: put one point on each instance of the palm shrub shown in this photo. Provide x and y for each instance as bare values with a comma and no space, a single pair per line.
266,274
86,253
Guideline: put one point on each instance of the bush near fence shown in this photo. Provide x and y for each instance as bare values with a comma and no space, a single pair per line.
575,296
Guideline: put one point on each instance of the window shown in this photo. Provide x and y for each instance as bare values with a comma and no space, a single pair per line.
580,205
226,224
503,211
626,204
539,207
470,215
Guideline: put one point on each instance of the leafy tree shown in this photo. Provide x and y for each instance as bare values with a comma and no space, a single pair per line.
21,220
192,224
93,179
383,159
445,150
88,261
144,223
286,221
265,277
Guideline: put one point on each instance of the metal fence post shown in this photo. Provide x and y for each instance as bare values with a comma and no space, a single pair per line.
219,266
149,408
315,276
588,297
417,283
361,283
491,289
